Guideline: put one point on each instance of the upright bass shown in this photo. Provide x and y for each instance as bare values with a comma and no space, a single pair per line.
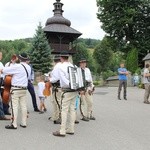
6,90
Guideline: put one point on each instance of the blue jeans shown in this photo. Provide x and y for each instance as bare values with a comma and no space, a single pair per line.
1,110
32,93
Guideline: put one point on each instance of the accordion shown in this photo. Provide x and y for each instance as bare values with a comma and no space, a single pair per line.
77,78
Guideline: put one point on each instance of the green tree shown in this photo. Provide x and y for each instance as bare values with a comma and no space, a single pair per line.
40,53
127,21
132,61
103,54
83,52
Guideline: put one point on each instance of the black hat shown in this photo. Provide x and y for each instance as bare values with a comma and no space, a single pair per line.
56,57
23,57
82,60
64,53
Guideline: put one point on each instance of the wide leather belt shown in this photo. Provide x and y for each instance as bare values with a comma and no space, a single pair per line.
20,87
68,90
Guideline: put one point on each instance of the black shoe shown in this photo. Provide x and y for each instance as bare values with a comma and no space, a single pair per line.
7,113
76,122
41,112
23,126
85,119
10,127
4,118
45,109
36,110
70,133
58,121
125,98
92,118
57,133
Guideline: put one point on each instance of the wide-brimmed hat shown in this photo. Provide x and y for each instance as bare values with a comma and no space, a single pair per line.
64,54
23,57
56,57
82,60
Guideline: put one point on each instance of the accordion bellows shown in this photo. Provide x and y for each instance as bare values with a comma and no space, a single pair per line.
77,78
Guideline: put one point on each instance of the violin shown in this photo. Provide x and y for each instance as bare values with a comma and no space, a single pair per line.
47,91
6,91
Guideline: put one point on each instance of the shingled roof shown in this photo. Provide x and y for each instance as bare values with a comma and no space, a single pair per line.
59,24
147,57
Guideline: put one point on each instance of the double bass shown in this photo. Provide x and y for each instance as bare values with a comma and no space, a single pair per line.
6,90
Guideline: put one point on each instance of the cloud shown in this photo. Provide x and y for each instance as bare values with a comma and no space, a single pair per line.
19,18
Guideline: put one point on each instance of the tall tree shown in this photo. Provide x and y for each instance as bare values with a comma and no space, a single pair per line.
132,61
83,52
127,21
103,54
40,53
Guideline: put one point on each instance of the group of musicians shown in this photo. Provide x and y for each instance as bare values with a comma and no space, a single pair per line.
63,98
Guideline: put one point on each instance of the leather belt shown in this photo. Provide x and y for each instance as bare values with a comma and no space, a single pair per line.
68,90
20,87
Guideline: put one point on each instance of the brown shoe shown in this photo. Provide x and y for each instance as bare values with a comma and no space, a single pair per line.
4,118
57,133
147,102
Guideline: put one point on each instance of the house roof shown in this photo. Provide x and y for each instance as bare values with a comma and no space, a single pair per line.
147,57
61,28
112,78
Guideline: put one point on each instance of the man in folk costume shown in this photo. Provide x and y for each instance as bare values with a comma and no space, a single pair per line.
12,62
19,82
68,99
86,96
56,90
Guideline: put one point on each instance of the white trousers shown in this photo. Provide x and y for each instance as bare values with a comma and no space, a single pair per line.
19,99
68,109
86,104
56,109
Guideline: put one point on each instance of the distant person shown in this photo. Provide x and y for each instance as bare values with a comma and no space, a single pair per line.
41,87
146,81
31,88
122,71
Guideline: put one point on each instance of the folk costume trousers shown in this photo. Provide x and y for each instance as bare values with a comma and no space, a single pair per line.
19,101
56,103
86,104
68,109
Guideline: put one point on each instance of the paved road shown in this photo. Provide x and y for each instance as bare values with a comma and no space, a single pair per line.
119,125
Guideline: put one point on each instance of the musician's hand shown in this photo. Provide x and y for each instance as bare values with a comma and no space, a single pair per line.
82,92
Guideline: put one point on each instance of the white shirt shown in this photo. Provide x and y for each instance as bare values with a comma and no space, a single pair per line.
19,75
88,75
54,77
145,80
64,75
41,87
1,67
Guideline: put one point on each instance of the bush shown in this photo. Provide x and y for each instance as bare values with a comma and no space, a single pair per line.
107,74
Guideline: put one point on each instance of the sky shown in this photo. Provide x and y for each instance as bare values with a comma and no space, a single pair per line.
20,18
